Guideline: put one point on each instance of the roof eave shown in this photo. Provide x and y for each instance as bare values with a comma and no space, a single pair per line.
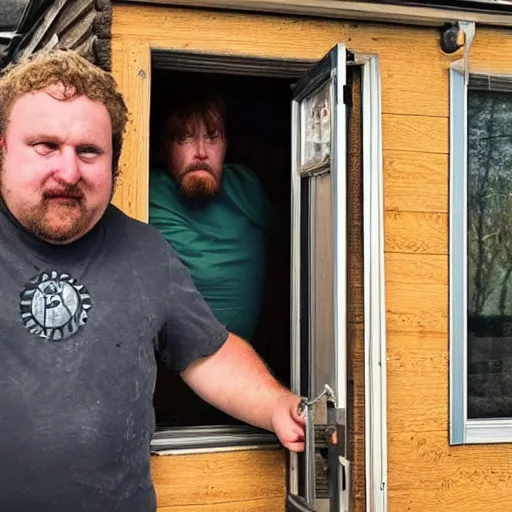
396,12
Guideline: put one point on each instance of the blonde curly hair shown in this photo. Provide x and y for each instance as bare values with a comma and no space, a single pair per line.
78,77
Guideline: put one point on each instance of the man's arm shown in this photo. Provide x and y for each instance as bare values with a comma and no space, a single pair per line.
235,380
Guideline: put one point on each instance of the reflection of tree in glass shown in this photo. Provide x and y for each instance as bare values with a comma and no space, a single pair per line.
489,254
489,202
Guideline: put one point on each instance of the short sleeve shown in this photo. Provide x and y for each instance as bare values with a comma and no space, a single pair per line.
191,331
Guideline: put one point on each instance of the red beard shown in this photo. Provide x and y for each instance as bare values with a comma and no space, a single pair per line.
199,184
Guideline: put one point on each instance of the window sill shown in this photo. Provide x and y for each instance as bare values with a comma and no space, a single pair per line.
211,439
488,431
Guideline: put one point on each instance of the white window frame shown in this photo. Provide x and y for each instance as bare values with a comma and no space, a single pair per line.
462,429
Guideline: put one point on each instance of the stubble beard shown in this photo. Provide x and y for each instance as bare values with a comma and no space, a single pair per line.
57,220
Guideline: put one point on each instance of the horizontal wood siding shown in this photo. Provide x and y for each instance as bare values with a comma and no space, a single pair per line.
425,473
249,481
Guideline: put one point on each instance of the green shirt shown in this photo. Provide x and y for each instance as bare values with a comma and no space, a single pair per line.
222,242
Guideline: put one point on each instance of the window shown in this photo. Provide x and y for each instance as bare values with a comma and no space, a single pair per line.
258,131
481,259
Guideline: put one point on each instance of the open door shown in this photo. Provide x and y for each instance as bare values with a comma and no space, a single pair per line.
320,478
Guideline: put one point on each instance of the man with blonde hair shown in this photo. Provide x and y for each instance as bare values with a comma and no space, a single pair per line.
85,290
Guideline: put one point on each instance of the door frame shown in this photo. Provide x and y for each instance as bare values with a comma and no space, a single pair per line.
374,288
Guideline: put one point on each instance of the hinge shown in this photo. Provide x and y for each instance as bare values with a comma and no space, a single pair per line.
347,95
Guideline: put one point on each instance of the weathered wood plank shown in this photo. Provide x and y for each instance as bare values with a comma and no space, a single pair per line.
302,38
418,309
416,181
405,91
416,232
400,267
414,133
491,51
453,497
416,268
131,66
475,478
192,480
417,389
417,380
259,505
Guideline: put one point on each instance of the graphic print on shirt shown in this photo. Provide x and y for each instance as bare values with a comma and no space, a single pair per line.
54,306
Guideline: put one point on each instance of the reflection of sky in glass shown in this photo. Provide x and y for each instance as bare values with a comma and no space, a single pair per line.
489,254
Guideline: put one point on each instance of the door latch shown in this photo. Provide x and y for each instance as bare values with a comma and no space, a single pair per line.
327,392
327,469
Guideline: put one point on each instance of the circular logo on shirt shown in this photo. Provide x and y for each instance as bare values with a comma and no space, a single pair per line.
54,306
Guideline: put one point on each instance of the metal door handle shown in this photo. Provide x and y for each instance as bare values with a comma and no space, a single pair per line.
305,403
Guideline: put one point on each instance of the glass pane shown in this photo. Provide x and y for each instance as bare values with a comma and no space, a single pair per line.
489,254
322,285
317,119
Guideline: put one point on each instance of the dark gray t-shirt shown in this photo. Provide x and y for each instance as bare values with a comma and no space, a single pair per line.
77,362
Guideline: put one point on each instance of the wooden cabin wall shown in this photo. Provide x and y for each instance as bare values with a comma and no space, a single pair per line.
239,481
135,30
425,474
